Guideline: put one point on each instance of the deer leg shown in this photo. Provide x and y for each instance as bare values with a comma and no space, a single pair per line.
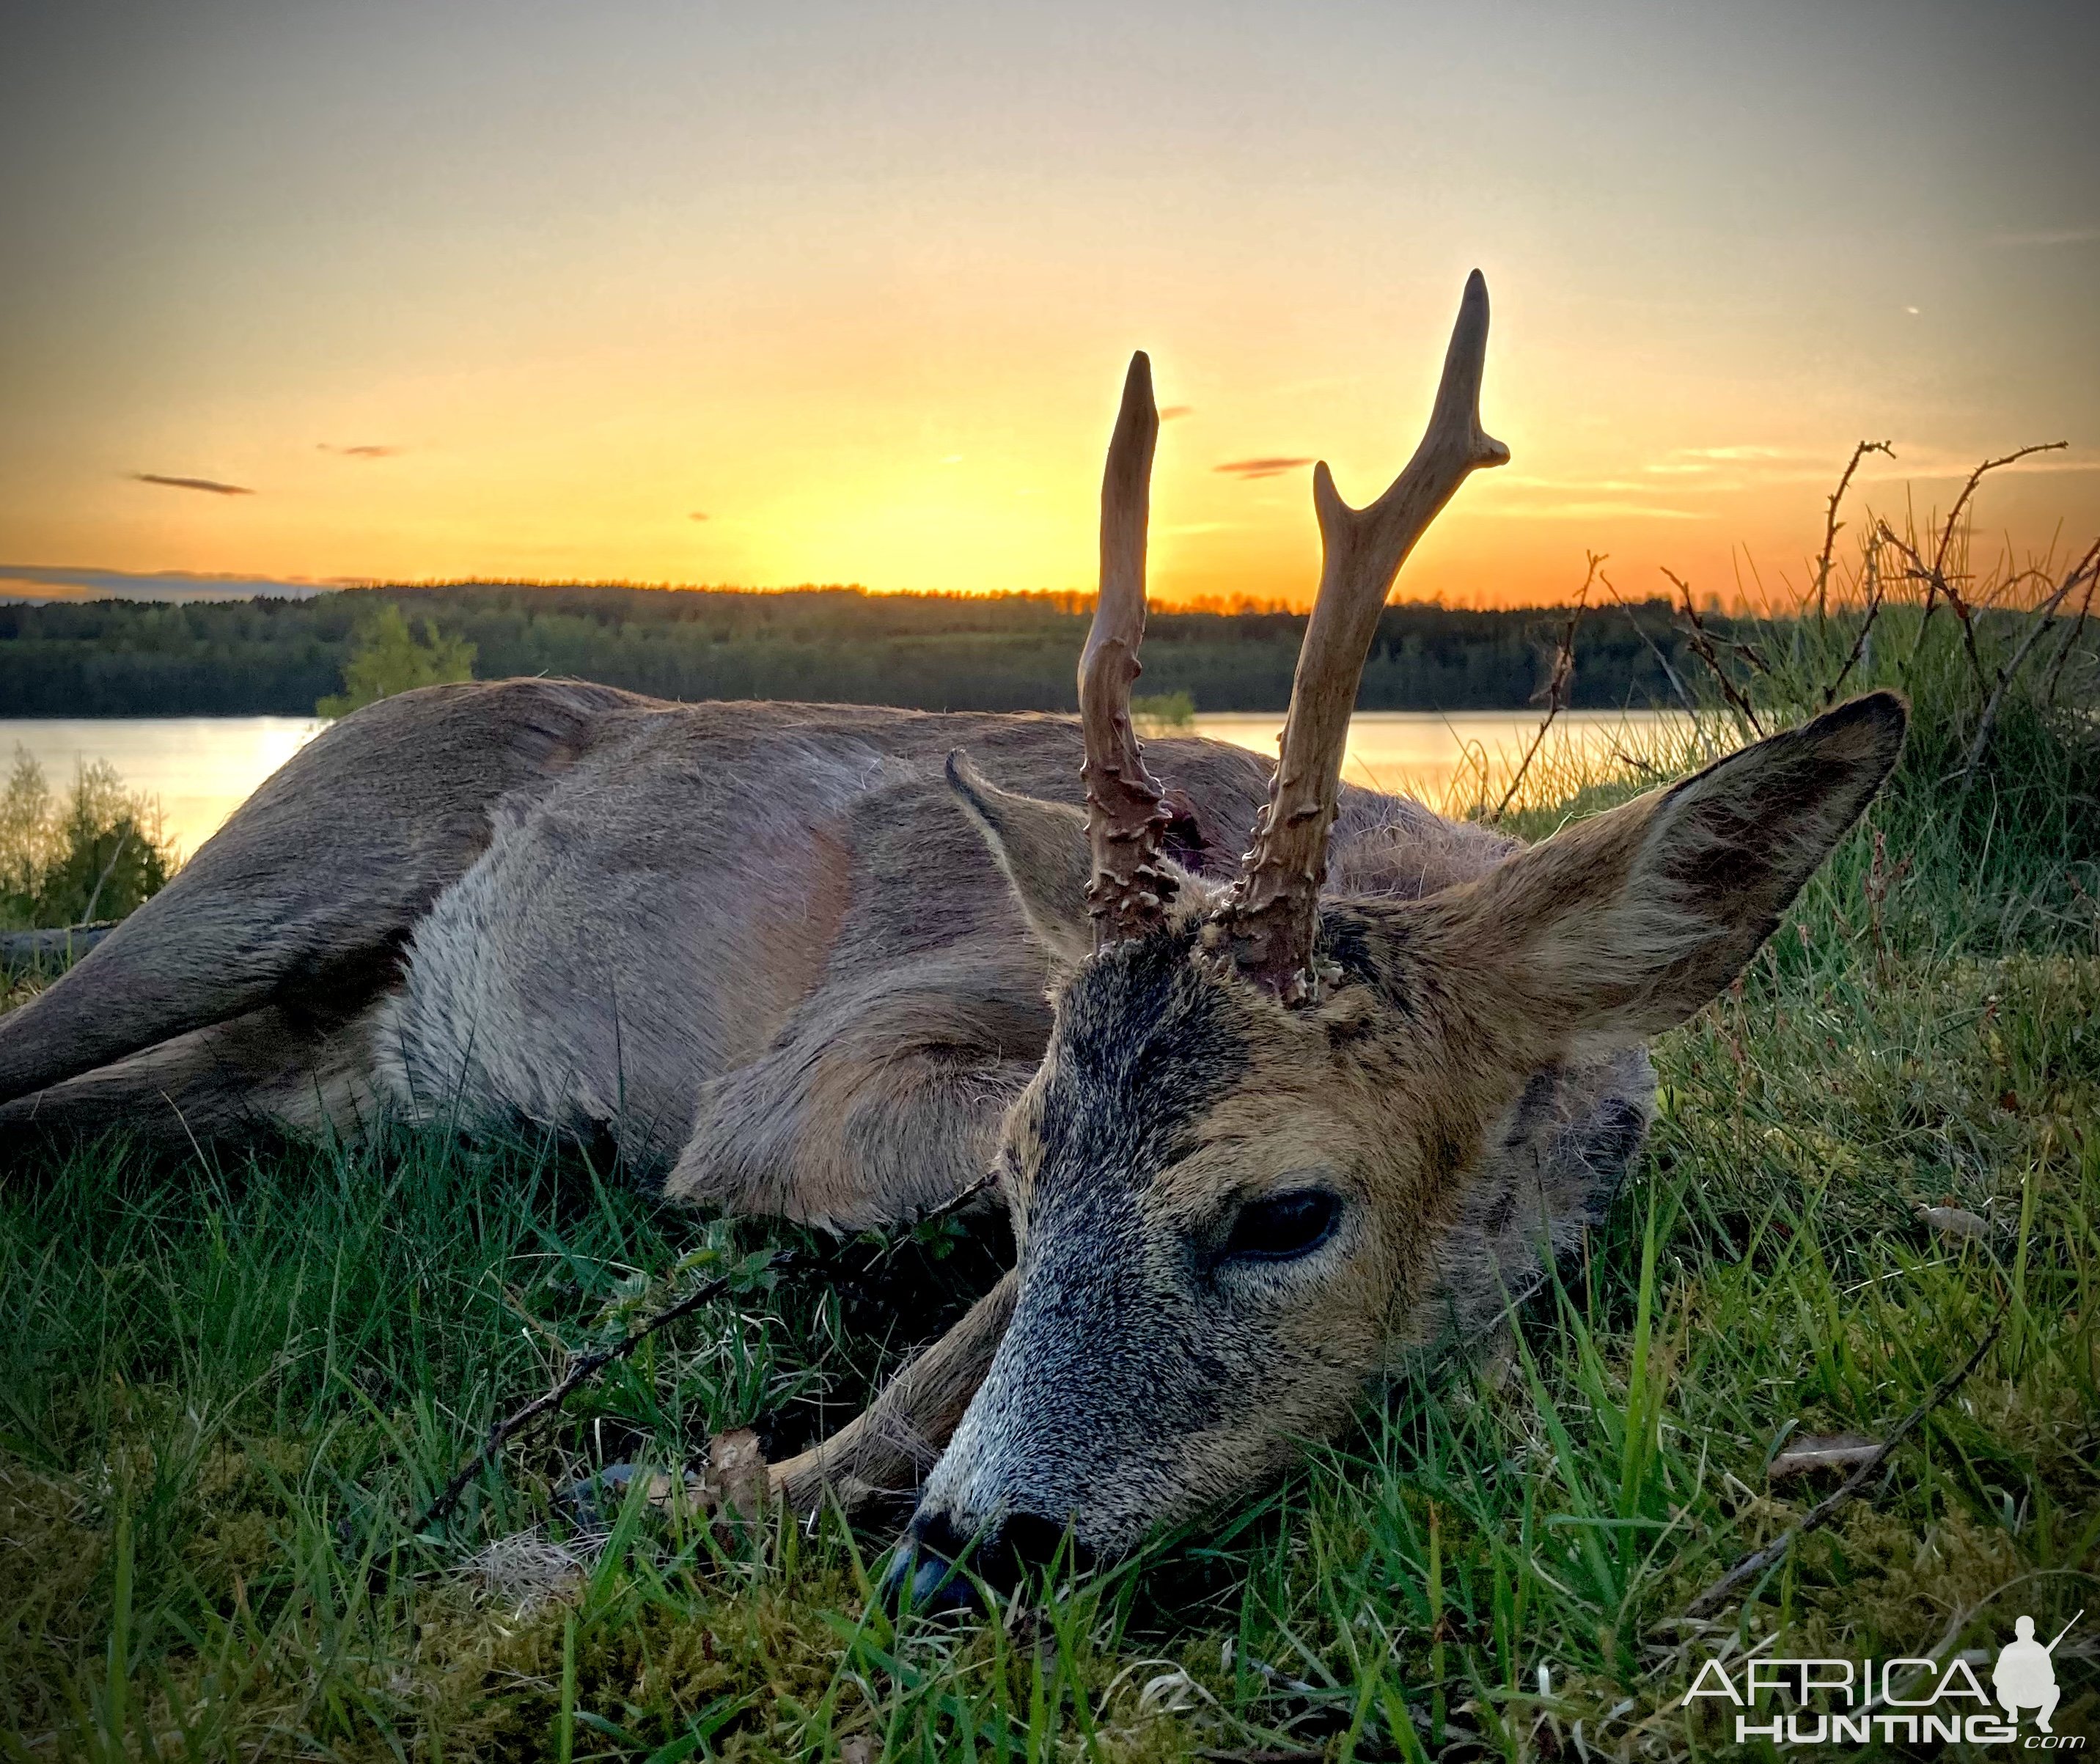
887,1449
315,883
290,1069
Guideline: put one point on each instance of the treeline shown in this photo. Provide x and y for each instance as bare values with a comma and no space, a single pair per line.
934,652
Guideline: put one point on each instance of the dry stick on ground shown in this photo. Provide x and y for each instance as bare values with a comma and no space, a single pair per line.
1702,646
1556,690
584,1366
1832,524
2041,616
1824,1510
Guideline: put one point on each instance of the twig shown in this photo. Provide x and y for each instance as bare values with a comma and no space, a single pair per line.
1831,524
1702,646
1934,575
1556,690
1824,1510
583,1367
1969,490
2070,637
95,899
1661,661
2042,616
1877,592
1938,588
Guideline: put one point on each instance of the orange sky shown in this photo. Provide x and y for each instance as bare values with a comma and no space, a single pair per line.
519,290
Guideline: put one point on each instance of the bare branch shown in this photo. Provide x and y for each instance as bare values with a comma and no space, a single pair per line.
1877,594
584,1366
1661,661
1987,724
1934,575
1702,646
1554,692
1968,489
1824,1510
1831,523
1938,588
2070,636
1126,813
1272,919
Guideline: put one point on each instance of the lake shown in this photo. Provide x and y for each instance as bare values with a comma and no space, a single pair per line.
201,769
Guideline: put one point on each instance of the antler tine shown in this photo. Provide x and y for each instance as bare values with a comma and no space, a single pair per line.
1126,815
1272,914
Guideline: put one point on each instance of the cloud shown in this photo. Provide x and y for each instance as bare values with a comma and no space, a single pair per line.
1503,483
1745,450
1272,466
367,451
211,486
696,515
1168,412
1594,511
2051,235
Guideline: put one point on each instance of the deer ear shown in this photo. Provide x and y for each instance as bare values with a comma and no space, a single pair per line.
1041,849
1624,925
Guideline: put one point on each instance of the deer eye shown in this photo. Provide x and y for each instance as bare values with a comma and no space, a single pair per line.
1282,1226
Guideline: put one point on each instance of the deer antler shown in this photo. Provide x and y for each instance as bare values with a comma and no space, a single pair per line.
1272,917
1126,812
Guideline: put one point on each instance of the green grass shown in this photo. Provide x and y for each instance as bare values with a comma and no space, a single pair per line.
228,1387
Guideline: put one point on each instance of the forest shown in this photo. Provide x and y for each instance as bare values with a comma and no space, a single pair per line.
999,652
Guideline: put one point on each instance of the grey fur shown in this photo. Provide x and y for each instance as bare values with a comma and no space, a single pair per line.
765,947
759,942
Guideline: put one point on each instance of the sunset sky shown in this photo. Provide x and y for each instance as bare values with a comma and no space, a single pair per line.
789,293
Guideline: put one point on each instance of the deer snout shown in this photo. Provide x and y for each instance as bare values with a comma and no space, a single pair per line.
938,1565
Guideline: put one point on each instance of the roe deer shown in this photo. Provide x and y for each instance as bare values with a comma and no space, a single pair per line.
1264,1126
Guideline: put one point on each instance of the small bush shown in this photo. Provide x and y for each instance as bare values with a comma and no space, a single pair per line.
1164,713
1998,791
388,657
97,854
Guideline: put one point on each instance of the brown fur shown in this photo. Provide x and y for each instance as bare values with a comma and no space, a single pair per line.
1467,1092
800,971
759,943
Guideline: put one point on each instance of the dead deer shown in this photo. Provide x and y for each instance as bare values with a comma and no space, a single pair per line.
1265,1126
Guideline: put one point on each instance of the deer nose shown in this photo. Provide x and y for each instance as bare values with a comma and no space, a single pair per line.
927,1572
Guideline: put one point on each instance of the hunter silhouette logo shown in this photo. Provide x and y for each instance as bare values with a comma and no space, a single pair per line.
1910,1702
2025,1675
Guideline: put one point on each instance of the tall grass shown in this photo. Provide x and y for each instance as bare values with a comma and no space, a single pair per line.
227,1387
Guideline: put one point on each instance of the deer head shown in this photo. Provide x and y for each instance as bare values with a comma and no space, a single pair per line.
1260,1107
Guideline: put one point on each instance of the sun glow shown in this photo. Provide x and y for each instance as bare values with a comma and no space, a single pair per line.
773,300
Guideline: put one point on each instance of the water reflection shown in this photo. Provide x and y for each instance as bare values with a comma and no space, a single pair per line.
202,768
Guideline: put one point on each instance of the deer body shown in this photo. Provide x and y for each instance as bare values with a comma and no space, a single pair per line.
759,946
1264,1123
